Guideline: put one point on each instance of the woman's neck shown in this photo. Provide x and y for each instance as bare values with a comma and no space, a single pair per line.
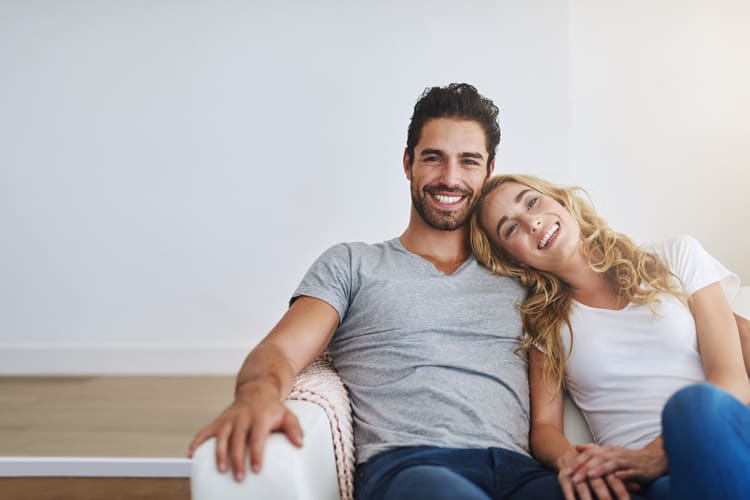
591,287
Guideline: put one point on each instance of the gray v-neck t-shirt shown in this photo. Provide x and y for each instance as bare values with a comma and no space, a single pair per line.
429,359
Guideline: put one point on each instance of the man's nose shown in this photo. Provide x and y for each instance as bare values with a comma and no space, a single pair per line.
450,175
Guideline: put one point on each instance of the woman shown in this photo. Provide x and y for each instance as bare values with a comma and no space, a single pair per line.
624,329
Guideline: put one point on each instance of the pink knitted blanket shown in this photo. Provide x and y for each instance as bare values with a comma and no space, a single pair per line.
320,384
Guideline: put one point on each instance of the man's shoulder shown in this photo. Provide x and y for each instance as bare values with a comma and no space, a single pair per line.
481,272
360,248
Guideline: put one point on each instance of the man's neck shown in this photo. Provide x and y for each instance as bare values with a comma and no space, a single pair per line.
446,250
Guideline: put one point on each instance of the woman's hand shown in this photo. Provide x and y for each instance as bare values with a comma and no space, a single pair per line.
605,487
641,466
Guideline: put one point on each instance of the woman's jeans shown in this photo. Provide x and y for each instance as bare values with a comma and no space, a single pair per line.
707,440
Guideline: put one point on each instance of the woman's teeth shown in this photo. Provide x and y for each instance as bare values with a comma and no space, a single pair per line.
552,230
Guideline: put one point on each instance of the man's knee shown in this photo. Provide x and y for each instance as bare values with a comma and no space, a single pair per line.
432,481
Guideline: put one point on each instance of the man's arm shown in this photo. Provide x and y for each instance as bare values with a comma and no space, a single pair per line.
264,381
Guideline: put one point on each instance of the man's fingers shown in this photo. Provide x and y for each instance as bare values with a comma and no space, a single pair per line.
290,425
583,490
237,448
222,437
199,438
567,486
258,435
600,488
617,487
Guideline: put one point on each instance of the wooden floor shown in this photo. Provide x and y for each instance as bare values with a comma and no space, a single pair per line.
93,488
107,416
127,417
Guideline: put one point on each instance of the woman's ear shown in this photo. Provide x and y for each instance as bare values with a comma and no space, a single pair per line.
519,264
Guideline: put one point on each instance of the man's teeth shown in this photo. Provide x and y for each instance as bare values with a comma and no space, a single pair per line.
552,230
447,199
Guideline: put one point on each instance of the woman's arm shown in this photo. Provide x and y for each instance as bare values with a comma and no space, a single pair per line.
719,341
743,325
548,443
550,446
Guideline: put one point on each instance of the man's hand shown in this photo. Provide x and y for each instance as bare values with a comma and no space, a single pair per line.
602,488
249,420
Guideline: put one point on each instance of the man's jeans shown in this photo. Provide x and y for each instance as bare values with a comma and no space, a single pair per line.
707,440
451,473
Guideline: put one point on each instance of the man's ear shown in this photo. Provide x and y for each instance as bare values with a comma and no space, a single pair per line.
407,164
491,170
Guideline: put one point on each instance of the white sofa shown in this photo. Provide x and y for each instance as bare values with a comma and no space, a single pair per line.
310,473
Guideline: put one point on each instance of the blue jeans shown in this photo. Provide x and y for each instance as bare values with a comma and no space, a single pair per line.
707,441
452,473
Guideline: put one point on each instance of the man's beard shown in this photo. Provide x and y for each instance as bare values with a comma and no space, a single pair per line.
444,220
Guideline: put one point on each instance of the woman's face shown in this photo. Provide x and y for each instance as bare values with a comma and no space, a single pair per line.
535,229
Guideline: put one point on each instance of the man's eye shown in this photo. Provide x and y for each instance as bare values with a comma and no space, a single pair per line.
432,158
532,202
511,228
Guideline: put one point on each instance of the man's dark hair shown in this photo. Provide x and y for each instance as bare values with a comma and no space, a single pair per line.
457,100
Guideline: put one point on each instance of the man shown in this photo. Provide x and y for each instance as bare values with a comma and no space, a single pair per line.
422,336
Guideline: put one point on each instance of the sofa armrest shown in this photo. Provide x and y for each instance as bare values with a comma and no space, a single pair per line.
289,473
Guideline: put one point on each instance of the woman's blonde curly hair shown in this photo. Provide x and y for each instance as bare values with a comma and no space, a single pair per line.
633,274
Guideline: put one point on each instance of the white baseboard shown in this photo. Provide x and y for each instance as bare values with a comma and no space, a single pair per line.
121,358
93,467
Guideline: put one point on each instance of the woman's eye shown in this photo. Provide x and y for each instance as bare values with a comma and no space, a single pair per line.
511,228
532,202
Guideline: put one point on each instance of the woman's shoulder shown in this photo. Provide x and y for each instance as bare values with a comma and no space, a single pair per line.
675,242
677,250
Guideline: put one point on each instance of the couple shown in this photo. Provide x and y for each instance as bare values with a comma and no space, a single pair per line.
427,340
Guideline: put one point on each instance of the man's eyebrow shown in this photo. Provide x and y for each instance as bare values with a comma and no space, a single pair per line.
439,152
504,218
429,151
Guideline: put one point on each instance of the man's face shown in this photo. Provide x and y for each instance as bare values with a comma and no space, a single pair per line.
448,171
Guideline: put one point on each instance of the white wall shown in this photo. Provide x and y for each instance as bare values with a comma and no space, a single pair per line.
169,170
660,133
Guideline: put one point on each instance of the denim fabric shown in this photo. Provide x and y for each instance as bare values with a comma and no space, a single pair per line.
707,440
451,473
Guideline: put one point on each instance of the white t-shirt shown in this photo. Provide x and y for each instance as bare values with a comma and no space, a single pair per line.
626,363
